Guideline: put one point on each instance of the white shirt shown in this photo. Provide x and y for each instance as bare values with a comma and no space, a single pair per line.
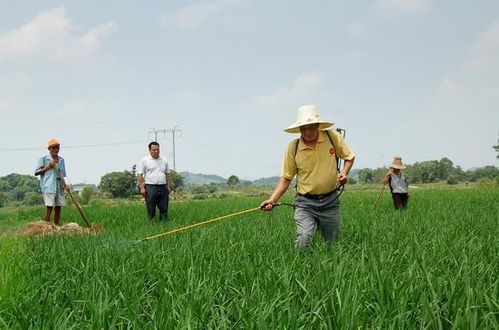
153,170
399,185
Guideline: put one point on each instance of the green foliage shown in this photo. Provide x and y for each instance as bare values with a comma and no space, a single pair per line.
431,171
4,185
15,187
366,175
32,198
3,199
233,181
86,195
483,172
200,196
432,266
177,180
119,184
488,182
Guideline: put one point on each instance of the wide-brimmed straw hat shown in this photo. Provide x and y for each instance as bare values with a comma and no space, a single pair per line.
53,142
397,163
308,114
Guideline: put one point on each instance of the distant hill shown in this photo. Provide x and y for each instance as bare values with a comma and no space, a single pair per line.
269,182
200,179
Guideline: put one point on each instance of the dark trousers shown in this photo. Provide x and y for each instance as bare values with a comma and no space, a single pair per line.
400,200
157,196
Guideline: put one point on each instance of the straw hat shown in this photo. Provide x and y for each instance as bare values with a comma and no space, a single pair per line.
397,163
308,114
52,142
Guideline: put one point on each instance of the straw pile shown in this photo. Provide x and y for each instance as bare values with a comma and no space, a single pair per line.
45,228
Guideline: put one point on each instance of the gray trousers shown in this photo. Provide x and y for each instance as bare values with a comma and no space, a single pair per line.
322,212
157,196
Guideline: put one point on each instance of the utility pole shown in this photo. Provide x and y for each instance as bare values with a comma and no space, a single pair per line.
173,131
155,132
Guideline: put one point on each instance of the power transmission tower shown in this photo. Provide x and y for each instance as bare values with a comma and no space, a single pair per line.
155,132
173,131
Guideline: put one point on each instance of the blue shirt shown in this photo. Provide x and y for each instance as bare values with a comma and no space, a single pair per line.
49,181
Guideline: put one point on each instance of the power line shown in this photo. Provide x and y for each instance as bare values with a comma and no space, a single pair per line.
155,132
76,146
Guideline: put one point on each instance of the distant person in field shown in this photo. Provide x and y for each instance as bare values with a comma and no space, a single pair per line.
312,158
398,183
52,171
154,181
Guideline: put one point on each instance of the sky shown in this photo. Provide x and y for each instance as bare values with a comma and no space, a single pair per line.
416,78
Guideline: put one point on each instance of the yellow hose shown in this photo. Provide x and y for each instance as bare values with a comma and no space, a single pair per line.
198,224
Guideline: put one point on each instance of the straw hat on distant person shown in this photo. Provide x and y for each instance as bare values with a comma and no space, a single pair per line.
308,114
397,163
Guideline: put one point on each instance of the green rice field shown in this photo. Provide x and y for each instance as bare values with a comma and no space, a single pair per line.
435,265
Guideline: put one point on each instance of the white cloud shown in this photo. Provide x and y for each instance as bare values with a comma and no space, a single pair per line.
52,35
193,16
402,7
356,30
485,50
301,90
447,87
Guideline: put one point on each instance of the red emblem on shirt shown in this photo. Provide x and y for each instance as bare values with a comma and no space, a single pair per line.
331,151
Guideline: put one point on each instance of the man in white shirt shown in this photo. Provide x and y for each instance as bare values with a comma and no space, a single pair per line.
154,181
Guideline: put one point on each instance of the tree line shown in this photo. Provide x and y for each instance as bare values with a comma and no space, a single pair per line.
431,171
19,189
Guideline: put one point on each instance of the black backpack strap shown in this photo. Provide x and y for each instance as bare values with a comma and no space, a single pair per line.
390,184
335,151
296,152
296,146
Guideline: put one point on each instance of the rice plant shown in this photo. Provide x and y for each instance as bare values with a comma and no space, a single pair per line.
434,265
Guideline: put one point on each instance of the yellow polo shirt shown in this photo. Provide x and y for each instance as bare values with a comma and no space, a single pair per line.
315,167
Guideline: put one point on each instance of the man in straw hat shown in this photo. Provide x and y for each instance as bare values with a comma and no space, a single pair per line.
312,157
398,183
52,170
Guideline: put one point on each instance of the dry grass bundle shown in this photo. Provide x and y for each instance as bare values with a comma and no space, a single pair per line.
45,228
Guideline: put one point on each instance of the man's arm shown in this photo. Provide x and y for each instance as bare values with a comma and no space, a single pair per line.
142,185
168,183
343,177
387,176
47,167
279,190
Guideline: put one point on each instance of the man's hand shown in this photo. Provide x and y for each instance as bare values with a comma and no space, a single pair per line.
53,163
68,187
143,191
267,205
342,178
390,172
168,190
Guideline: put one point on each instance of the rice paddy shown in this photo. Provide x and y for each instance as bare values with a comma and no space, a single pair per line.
434,265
